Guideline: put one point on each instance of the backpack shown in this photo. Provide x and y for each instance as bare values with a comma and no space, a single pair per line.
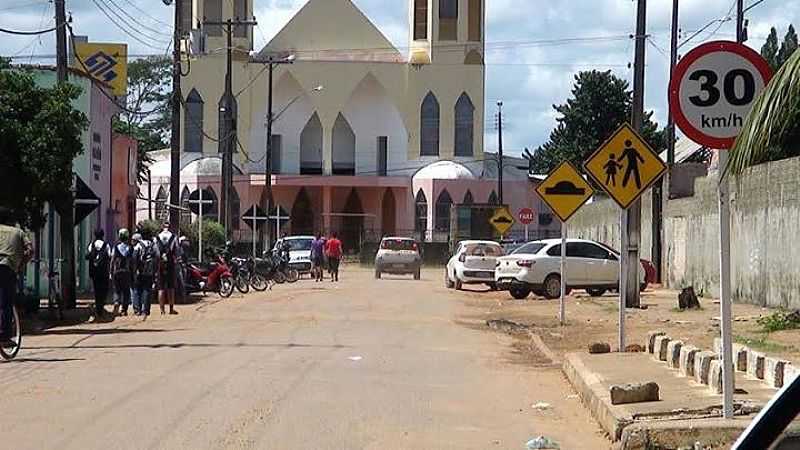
146,259
99,260
167,250
122,263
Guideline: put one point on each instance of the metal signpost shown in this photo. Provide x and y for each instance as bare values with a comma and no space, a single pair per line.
200,202
564,191
525,217
253,217
711,93
625,166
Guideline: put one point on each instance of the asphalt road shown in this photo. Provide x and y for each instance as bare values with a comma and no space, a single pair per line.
362,364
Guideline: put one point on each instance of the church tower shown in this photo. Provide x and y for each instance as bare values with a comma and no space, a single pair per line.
446,31
209,37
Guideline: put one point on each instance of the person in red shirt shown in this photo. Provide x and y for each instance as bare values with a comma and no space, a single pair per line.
333,250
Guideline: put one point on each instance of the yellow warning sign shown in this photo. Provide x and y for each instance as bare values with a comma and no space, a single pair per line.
625,166
502,220
565,191
105,62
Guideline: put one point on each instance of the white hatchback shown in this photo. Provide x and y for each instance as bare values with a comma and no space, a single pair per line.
536,267
472,263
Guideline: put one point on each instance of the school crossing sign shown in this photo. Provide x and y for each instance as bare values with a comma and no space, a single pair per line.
625,166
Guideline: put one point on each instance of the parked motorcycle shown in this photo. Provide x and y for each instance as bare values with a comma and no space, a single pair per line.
214,277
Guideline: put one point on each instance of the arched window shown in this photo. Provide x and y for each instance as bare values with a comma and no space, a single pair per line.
475,20
465,126
443,204
429,126
161,204
302,214
468,200
311,147
234,113
344,147
421,212
186,214
493,198
193,123
448,20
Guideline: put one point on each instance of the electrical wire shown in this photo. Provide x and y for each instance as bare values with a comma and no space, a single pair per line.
721,21
136,21
27,33
132,34
143,12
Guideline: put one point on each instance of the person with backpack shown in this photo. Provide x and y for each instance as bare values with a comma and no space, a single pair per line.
12,262
333,249
145,258
167,244
99,257
122,272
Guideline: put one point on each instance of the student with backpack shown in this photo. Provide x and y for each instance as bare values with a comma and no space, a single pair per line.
122,272
167,276
99,257
145,259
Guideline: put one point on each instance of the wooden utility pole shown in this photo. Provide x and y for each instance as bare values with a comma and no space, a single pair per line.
175,137
228,139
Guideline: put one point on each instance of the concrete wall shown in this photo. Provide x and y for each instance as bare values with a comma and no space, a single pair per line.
765,220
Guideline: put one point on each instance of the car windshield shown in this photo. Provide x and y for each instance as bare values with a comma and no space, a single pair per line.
483,249
299,244
531,248
398,244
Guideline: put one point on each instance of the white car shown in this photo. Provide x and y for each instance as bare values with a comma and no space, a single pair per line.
299,252
536,267
473,263
398,255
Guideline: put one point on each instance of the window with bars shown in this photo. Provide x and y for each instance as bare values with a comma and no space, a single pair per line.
420,19
383,156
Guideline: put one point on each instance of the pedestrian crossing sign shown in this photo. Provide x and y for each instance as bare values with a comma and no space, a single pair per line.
625,166
565,191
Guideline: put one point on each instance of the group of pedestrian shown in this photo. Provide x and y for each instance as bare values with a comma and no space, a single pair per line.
326,252
134,267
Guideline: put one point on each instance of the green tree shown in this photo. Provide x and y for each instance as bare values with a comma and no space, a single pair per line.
148,118
770,49
600,103
788,46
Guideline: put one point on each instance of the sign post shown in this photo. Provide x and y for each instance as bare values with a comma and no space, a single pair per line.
711,93
253,217
564,191
525,217
200,202
625,166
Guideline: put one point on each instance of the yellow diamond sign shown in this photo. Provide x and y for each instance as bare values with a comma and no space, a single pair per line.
565,191
502,220
625,166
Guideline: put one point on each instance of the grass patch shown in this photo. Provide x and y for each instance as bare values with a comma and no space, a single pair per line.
762,343
779,321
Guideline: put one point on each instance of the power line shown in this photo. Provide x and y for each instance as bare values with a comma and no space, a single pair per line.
125,30
154,19
27,33
136,21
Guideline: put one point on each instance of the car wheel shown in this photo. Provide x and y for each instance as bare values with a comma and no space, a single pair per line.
492,286
459,284
417,274
519,293
448,283
596,292
552,286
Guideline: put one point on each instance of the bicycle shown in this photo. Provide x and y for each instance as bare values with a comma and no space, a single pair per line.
54,300
9,353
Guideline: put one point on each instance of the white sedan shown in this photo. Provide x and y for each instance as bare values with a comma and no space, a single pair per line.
536,267
472,263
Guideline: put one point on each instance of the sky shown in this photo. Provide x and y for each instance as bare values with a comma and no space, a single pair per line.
527,74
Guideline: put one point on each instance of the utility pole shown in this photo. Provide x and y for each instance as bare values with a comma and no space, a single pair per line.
175,135
228,139
673,61
66,211
500,151
630,223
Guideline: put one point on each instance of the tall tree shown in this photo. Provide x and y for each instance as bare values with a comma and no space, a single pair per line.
600,103
770,49
788,46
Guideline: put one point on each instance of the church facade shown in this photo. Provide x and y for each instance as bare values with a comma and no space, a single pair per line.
354,117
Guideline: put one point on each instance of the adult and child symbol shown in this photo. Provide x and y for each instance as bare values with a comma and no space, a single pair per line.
632,159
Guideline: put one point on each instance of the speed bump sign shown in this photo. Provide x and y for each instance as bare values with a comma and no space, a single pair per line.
502,220
625,166
565,191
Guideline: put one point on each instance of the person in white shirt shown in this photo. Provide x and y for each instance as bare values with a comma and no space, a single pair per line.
99,256
167,244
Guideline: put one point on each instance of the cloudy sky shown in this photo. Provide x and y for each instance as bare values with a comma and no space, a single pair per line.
527,74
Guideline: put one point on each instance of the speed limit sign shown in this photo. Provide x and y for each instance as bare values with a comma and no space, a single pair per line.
712,90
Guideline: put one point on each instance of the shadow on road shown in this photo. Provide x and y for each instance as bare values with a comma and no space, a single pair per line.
43,360
181,345
100,331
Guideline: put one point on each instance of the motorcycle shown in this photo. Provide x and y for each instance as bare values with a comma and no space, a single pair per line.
215,277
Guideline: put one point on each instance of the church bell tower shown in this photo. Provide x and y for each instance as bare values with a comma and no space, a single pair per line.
446,31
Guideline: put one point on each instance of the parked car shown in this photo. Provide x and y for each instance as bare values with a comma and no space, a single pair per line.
536,267
398,255
299,252
473,263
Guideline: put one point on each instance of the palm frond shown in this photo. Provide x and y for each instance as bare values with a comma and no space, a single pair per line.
775,117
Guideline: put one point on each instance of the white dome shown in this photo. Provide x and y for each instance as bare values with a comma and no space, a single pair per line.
444,170
192,165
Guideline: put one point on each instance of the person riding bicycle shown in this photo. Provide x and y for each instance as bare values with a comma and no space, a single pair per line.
12,260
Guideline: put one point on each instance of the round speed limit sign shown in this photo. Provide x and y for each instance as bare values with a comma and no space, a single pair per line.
712,90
